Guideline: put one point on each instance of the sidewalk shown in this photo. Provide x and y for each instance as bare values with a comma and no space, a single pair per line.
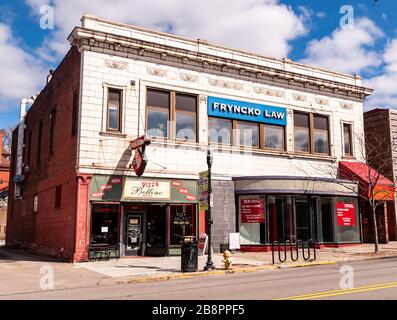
140,268
20,271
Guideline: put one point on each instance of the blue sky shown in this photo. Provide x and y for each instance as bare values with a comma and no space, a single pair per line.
304,31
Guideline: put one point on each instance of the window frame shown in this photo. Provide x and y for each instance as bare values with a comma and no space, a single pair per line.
119,111
75,112
231,133
312,115
58,197
237,135
39,142
175,111
156,108
263,133
53,119
311,133
171,114
344,154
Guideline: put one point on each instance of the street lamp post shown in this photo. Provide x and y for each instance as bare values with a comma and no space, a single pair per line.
209,265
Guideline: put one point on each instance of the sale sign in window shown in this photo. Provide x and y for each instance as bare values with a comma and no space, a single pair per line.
252,210
346,214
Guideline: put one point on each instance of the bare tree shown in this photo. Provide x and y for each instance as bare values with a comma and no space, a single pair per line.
7,138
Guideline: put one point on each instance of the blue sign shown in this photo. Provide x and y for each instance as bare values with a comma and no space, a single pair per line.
248,111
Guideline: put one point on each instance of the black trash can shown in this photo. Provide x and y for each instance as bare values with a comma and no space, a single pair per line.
189,256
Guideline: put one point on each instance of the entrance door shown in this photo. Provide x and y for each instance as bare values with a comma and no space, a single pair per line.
156,230
134,235
303,221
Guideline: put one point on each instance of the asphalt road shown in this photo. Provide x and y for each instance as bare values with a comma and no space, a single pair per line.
373,279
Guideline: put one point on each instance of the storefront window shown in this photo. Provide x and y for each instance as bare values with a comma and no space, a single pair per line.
274,137
105,223
252,220
181,224
346,220
281,223
327,220
220,131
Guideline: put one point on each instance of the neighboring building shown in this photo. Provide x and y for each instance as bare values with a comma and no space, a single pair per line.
275,127
381,137
4,181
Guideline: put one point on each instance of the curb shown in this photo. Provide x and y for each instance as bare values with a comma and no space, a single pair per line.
188,275
308,264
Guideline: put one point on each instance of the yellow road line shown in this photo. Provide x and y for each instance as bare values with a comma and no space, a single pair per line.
340,292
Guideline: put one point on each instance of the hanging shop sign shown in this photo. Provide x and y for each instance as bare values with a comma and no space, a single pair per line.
203,190
248,111
252,210
346,214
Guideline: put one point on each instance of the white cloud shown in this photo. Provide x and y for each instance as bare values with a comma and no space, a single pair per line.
346,50
21,74
384,85
261,26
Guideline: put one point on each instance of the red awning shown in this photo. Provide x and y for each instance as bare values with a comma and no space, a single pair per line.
371,182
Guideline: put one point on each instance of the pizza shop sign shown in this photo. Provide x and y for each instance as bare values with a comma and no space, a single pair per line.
147,189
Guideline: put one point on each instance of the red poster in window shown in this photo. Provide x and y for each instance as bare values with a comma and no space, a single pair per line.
346,214
252,210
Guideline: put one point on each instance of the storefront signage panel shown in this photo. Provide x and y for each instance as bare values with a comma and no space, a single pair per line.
346,214
147,189
252,210
174,191
248,111
106,188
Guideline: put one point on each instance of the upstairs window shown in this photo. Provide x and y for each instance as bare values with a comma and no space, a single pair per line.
320,133
39,138
75,106
347,140
248,133
220,131
302,132
185,115
114,110
171,115
311,133
52,129
158,113
274,137
58,197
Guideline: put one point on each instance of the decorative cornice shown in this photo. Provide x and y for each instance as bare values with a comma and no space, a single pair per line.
108,43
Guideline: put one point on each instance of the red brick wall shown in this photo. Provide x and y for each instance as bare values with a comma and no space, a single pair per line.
51,230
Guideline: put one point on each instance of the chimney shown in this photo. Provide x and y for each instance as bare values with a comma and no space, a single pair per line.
49,76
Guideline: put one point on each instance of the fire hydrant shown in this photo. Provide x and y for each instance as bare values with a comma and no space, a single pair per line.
227,260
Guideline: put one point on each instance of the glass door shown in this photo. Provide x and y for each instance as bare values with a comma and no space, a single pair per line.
134,235
303,219
156,230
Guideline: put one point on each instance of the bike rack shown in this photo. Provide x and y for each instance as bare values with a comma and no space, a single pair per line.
295,247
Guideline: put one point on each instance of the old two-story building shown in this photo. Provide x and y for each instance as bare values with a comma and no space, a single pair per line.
277,130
